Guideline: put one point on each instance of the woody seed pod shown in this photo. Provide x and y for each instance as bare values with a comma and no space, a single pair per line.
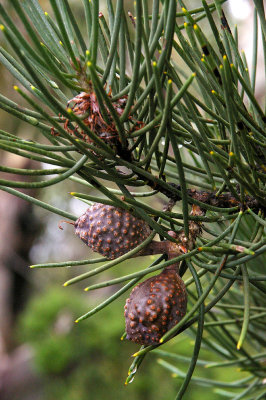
110,231
155,306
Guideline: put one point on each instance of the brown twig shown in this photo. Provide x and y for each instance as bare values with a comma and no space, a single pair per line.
224,200
181,245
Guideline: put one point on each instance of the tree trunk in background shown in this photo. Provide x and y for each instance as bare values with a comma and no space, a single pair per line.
18,229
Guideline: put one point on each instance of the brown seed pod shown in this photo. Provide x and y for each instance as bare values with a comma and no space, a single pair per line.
155,306
110,231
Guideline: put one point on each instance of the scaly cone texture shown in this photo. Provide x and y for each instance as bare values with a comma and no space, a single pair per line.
86,104
155,306
110,231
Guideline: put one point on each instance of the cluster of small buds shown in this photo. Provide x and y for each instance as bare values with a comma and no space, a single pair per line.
86,104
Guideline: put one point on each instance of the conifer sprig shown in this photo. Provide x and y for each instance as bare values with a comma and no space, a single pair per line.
146,106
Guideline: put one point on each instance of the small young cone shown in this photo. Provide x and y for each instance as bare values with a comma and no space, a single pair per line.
155,306
110,231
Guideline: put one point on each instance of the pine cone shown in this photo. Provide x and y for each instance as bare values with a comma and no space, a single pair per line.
155,306
110,231
87,103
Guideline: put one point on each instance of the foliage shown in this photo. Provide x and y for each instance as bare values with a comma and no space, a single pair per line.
159,110
76,360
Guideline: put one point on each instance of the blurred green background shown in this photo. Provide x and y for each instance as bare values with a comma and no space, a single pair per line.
43,353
